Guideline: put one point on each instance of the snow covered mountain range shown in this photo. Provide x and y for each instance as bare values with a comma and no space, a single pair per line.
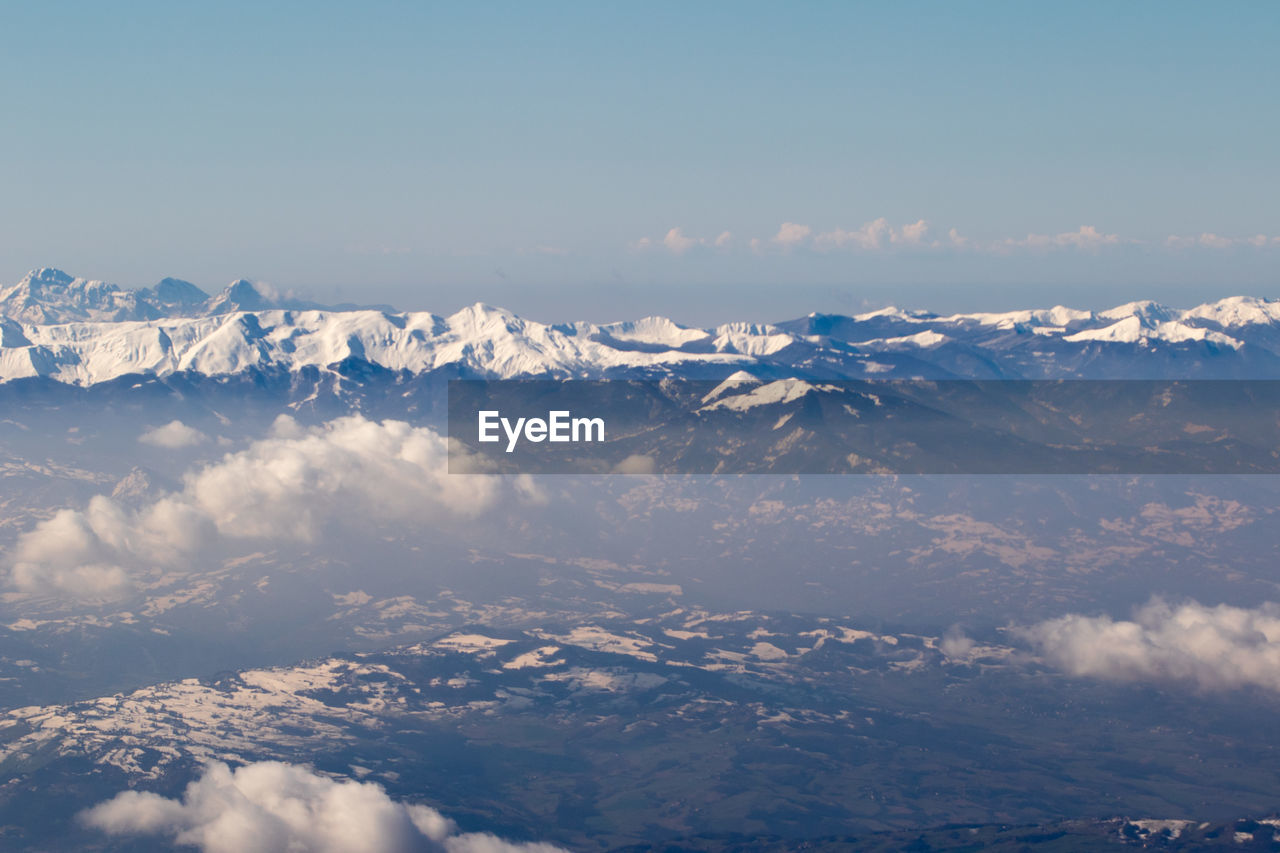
50,296
85,332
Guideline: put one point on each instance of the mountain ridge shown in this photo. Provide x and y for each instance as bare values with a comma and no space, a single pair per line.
49,296
83,332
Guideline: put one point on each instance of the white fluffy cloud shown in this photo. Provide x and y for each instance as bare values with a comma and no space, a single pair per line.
289,486
870,236
875,234
1086,237
792,234
913,233
1209,240
677,242
173,435
1208,647
271,807
879,234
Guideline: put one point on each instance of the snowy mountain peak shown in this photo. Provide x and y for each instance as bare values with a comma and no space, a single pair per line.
656,331
1057,316
742,396
47,275
242,295
481,315
1238,311
49,295
1138,329
176,292
895,313
1149,314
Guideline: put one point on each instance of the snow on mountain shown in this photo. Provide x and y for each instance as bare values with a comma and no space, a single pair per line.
892,313
85,332
1134,329
1058,315
1128,330
480,340
176,294
1237,311
927,338
655,331
751,339
11,334
736,381
281,712
781,391
244,295
50,296
1149,314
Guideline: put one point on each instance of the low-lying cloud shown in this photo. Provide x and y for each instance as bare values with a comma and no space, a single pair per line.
173,436
1209,240
288,487
272,807
1085,237
1210,648
677,242
879,235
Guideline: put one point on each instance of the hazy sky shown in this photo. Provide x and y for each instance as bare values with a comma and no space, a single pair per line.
597,160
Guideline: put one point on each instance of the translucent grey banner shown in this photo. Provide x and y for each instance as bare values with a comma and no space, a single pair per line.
792,426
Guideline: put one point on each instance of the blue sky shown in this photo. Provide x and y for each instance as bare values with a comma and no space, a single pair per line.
540,155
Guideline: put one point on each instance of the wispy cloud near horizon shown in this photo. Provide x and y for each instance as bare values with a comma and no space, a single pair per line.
1209,240
677,242
879,235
